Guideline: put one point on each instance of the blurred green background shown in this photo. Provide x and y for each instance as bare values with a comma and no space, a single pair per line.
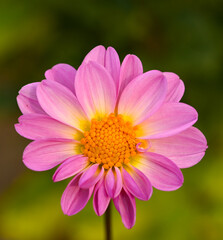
184,37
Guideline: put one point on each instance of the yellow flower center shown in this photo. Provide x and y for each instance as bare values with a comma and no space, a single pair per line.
110,142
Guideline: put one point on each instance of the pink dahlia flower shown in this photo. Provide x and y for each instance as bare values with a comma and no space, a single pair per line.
117,131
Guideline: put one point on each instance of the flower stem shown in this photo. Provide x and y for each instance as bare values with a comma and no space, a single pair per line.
108,223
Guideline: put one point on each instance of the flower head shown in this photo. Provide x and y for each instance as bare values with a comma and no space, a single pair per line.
117,131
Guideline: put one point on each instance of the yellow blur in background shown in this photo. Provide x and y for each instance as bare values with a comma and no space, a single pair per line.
184,37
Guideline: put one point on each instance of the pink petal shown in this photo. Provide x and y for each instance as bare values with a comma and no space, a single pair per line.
185,149
95,90
175,87
131,68
101,198
188,161
70,167
60,103
170,119
137,183
113,182
125,204
108,59
29,90
91,176
143,96
97,54
112,64
27,99
141,148
63,74
162,173
38,126
42,155
74,198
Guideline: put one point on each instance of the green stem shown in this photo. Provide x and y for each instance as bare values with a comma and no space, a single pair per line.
108,223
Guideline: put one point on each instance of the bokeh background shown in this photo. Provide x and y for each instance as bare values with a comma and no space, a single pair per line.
184,37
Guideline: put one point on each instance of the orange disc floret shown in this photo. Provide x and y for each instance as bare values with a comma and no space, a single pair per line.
110,142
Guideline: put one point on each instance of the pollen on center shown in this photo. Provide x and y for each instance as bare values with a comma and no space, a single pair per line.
110,142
